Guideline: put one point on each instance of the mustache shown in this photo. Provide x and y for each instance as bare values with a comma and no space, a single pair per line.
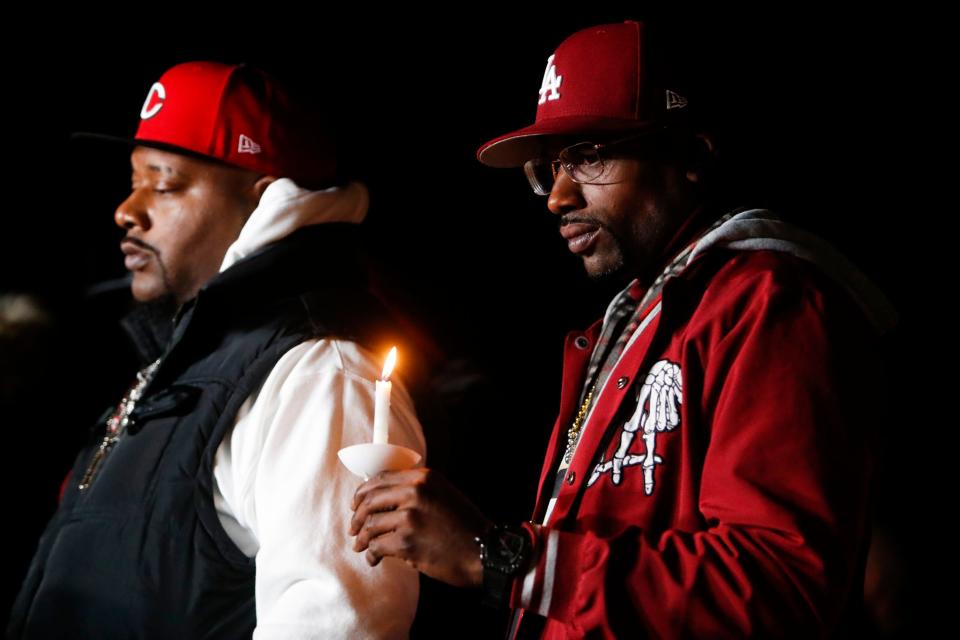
579,217
140,243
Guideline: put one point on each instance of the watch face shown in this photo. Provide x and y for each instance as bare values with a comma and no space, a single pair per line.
511,545
507,550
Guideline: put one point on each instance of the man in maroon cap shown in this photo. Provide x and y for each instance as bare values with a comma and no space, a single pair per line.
193,510
710,469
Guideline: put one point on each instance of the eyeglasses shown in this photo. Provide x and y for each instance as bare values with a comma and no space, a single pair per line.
584,163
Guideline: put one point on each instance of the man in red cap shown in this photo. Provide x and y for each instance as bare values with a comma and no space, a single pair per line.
710,469
193,510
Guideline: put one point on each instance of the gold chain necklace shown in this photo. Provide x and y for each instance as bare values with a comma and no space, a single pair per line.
573,433
117,423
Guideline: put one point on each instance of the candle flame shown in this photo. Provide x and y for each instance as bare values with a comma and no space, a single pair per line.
388,365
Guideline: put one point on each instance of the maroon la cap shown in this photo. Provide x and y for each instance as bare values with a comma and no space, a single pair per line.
603,79
237,114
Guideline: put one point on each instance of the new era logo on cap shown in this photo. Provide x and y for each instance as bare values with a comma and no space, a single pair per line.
675,100
247,145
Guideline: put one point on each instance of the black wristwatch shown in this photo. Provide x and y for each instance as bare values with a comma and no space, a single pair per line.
504,553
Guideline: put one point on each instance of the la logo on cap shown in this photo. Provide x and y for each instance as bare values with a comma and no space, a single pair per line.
149,110
550,87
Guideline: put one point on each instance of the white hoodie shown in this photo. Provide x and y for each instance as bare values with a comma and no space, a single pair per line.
281,493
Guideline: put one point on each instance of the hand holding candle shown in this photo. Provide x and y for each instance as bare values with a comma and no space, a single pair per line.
381,409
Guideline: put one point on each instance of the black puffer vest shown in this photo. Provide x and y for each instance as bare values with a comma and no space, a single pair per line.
141,553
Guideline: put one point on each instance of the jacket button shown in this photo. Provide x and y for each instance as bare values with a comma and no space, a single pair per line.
581,342
622,382
571,477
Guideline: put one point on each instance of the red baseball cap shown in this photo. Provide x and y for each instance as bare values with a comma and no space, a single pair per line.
236,114
602,79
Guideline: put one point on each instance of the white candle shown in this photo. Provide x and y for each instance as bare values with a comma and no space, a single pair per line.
381,408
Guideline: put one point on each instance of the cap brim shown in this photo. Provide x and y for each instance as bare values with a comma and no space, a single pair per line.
86,135
516,147
135,142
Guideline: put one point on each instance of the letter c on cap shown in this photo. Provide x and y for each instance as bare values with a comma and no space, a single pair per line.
147,111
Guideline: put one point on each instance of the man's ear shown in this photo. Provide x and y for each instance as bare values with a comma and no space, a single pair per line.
251,194
260,186
701,157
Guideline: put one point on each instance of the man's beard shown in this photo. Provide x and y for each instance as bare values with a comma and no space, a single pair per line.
617,272
614,273
168,290
159,313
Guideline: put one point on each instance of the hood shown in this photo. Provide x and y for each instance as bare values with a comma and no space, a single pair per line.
285,207
757,229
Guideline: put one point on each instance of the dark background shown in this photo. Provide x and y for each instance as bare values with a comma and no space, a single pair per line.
831,118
